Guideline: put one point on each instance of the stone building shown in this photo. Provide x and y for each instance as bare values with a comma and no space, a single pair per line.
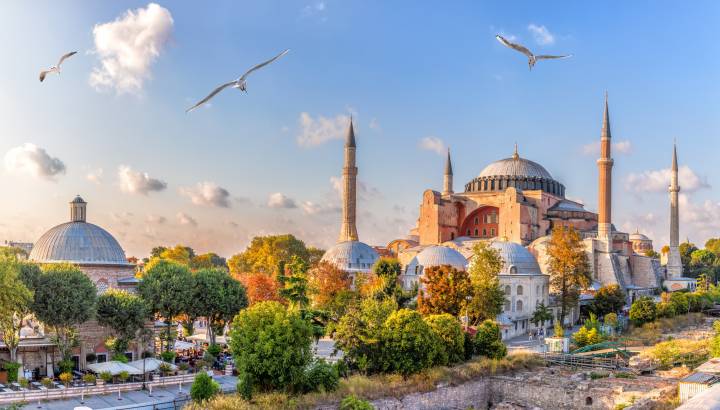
641,243
97,254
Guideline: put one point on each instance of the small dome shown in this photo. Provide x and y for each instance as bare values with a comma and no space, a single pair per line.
351,256
517,258
80,243
637,236
436,256
515,166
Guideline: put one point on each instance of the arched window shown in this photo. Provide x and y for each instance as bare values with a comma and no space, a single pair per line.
519,289
507,290
518,306
492,231
507,306
588,401
476,232
476,220
513,269
484,232
468,232
452,235
537,289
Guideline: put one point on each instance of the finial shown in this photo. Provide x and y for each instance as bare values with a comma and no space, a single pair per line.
448,164
350,138
516,155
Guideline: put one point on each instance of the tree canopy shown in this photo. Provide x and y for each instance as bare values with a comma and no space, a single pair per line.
609,298
488,297
446,290
568,267
217,297
124,313
265,253
15,302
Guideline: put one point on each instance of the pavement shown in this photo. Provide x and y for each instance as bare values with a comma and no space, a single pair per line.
135,400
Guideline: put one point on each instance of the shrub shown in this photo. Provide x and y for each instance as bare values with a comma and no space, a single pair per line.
352,402
584,337
119,357
488,341
89,378
599,375
65,378
559,331
680,301
168,356
321,376
203,388
214,350
183,366
12,369
47,382
642,311
408,343
679,351
66,366
665,309
106,376
123,376
271,347
451,335
165,368
611,319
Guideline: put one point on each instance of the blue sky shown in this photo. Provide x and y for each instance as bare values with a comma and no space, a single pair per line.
406,70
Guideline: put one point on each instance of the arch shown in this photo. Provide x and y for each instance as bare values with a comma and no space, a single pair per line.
519,306
588,401
508,290
513,269
481,221
519,290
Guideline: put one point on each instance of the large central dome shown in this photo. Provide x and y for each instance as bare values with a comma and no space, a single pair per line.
515,166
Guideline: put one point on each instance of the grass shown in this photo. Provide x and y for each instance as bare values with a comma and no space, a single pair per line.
599,375
652,333
624,375
379,386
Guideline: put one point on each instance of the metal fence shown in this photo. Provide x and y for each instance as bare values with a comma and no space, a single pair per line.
176,404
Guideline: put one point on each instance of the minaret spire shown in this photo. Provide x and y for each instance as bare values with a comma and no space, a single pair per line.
674,264
348,230
605,164
515,154
448,176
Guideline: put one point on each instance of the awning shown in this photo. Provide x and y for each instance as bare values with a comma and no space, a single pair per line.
201,337
151,364
114,367
182,345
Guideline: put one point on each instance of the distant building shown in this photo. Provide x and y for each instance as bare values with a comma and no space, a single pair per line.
26,246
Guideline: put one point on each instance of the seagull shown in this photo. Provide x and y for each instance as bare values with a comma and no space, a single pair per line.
240,83
56,68
532,58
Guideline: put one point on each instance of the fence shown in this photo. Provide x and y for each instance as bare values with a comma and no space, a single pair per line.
572,360
177,404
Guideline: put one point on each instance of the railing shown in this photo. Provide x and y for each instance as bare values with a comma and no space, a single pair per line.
572,360
176,404
65,393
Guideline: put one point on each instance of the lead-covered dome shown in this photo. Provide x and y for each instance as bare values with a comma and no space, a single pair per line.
351,256
517,167
436,256
78,242
518,260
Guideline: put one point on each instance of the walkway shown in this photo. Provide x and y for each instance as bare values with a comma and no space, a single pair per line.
136,400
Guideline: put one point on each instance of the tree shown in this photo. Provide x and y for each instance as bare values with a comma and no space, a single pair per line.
680,302
166,288
217,297
314,256
408,343
260,287
541,315
488,341
713,245
12,252
124,313
488,297
180,254
452,338
203,388
265,253
207,261
650,253
686,249
703,262
331,289
385,281
642,311
294,284
271,347
609,298
64,298
446,290
568,267
15,302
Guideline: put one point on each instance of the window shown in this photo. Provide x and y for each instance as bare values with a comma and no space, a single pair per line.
484,232
492,231
452,235
476,232
513,269
468,232
518,306
519,289
507,306
588,401
507,290
416,269
101,357
537,289
476,220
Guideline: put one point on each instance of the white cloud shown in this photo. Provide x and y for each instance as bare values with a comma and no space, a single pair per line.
374,124
156,219
311,208
508,37
659,180
207,193
95,176
33,160
280,200
542,35
128,46
135,182
434,144
364,191
321,130
617,147
185,219
122,218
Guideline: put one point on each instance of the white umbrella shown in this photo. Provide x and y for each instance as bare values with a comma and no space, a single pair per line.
201,337
151,364
114,367
182,345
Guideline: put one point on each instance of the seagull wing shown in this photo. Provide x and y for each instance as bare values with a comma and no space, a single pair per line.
43,74
211,95
65,57
544,57
261,65
516,47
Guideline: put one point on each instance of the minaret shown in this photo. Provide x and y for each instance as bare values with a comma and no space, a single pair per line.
605,164
348,230
674,264
78,211
448,176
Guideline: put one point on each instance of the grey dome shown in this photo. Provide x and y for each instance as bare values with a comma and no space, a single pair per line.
436,256
517,258
637,236
515,166
80,243
351,256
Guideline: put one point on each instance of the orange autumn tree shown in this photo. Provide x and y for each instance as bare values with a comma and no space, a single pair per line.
445,290
260,287
331,288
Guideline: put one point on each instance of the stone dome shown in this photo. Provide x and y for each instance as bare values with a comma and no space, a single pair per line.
78,242
351,256
637,236
517,167
518,260
436,256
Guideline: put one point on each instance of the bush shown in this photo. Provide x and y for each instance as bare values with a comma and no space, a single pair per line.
584,337
89,378
214,350
165,368
665,309
352,402
203,388
642,311
119,357
183,366
451,335
611,319
488,341
65,378
680,302
321,376
408,343
12,369
66,366
106,376
559,331
168,356
610,298
271,347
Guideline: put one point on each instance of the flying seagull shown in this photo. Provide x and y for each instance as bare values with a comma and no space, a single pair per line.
56,68
240,83
532,58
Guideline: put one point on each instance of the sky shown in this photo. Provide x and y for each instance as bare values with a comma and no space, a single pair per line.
417,77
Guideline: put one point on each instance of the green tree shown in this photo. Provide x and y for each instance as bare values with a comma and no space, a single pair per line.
541,315
124,313
487,297
448,330
203,388
642,311
217,297
609,298
271,347
64,298
294,283
166,289
265,253
686,249
446,290
488,341
408,343
713,245
665,309
208,261
652,254
15,302
568,267
13,252
386,280
680,302
331,290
